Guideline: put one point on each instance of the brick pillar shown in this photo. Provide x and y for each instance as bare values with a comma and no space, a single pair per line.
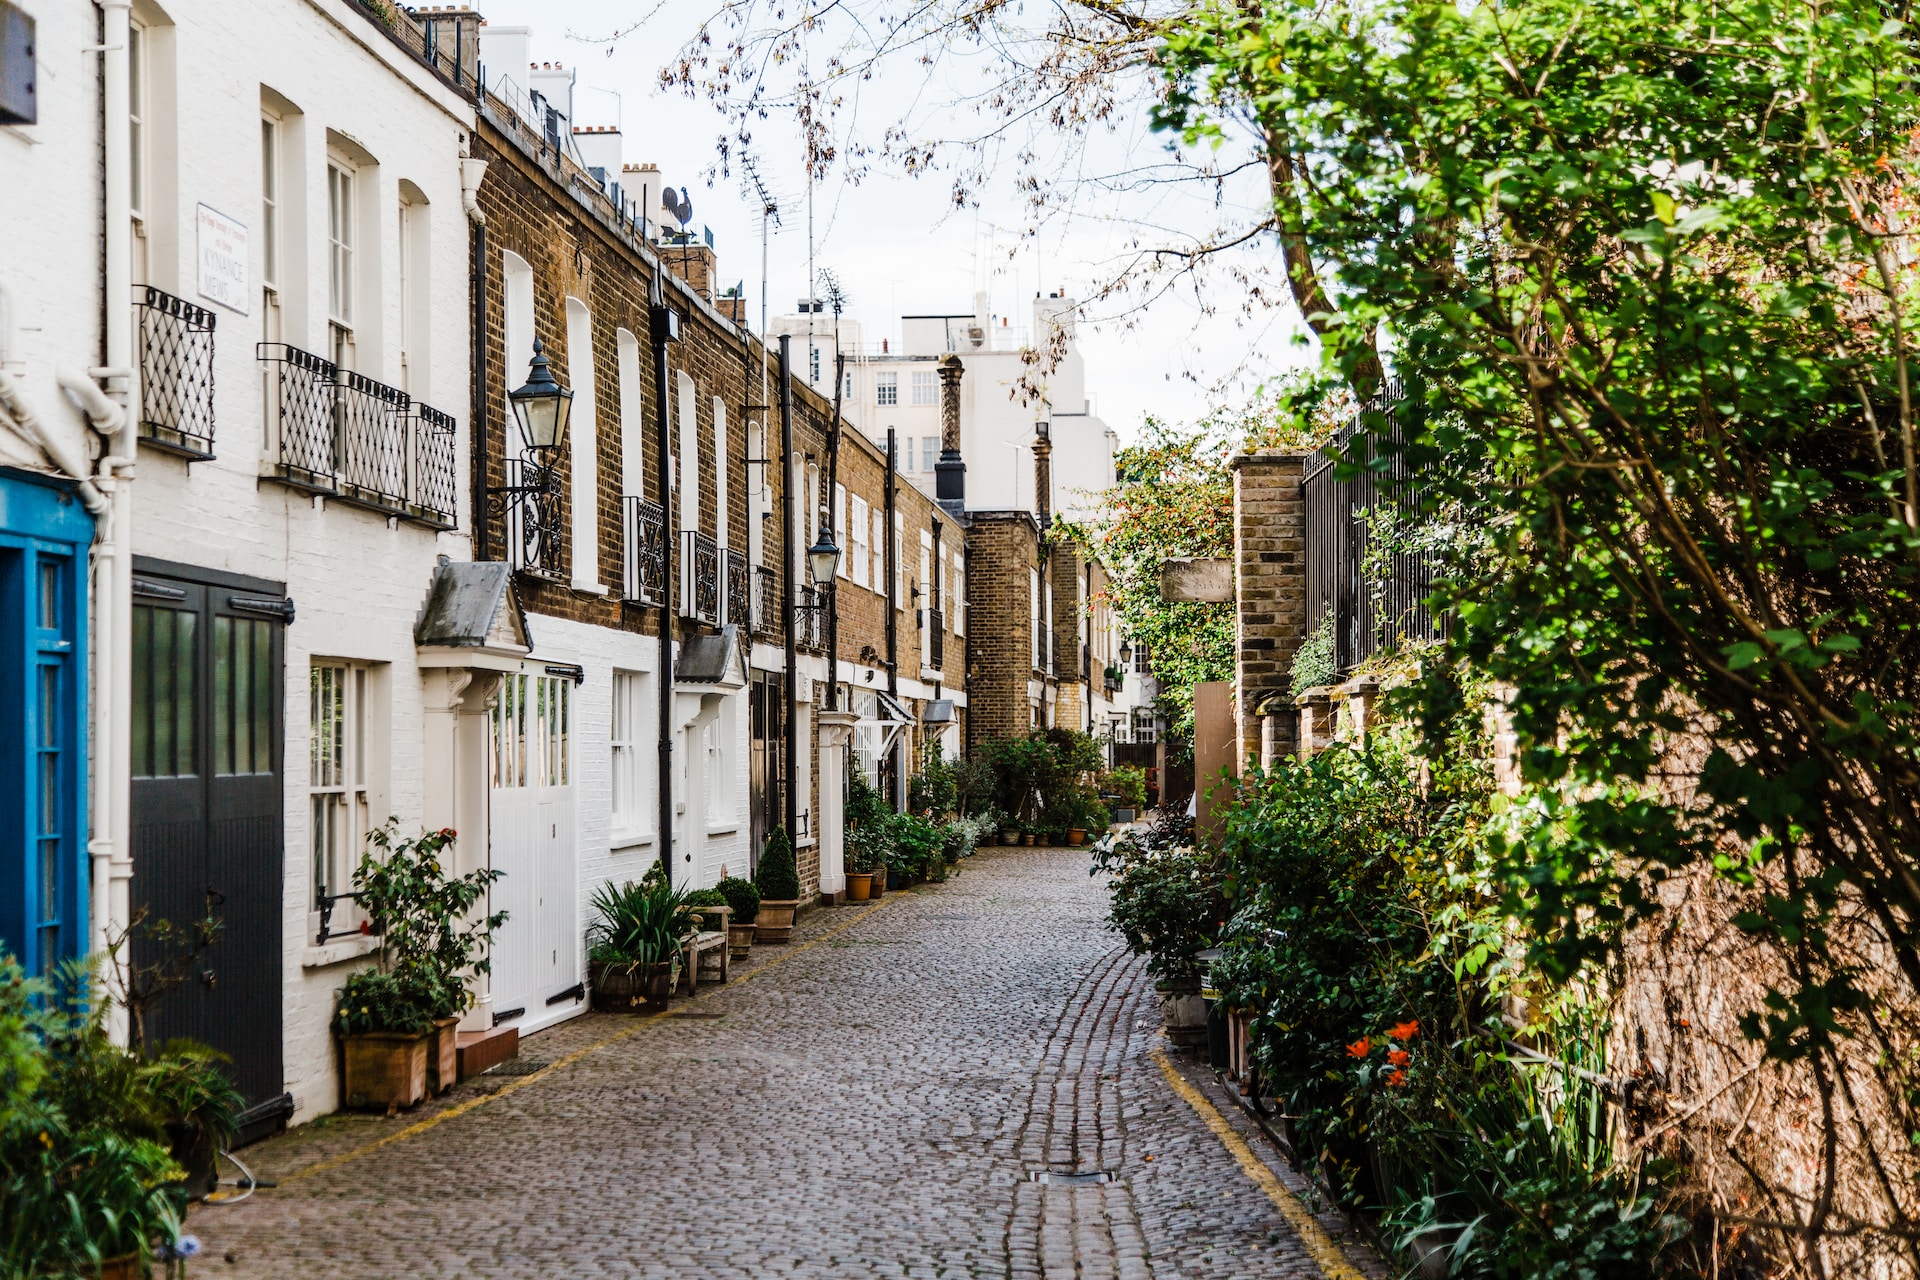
950,473
1270,598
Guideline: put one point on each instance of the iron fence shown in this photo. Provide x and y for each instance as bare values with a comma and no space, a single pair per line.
810,618
1375,591
699,577
536,537
646,560
176,373
343,434
766,602
739,586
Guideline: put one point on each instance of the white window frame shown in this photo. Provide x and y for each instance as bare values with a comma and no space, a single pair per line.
339,786
1033,614
840,530
929,451
862,554
878,543
631,816
272,179
926,390
900,597
411,223
583,432
343,179
886,388
959,594
139,122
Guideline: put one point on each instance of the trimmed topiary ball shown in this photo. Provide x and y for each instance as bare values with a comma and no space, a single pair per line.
777,880
742,897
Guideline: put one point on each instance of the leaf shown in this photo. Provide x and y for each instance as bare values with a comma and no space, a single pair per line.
1663,207
1743,655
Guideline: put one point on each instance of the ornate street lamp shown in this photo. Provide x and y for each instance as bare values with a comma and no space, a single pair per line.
542,407
1126,651
823,560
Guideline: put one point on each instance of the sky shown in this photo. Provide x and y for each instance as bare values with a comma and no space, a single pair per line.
897,244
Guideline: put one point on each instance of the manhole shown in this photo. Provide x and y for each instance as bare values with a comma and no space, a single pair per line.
700,1014
1055,1178
517,1067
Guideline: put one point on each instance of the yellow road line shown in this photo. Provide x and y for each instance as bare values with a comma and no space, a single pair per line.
473,1104
1320,1246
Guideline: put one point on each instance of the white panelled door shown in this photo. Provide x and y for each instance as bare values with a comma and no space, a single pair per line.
536,954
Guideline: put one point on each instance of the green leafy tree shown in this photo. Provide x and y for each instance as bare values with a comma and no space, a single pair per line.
1649,270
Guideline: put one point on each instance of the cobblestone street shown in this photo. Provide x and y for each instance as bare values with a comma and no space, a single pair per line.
875,1100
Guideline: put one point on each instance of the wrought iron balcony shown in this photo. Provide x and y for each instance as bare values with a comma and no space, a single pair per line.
536,529
343,434
936,638
810,618
699,577
176,373
646,538
766,602
739,586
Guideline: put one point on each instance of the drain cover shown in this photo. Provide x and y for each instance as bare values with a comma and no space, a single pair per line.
1055,1178
516,1067
699,1014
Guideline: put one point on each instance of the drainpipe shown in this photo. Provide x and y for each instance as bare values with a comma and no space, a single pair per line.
661,321
471,172
111,841
790,800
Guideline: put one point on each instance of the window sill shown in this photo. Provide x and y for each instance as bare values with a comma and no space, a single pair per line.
348,948
593,588
724,829
630,840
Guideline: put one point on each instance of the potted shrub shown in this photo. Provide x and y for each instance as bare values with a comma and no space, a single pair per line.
1168,903
745,901
633,945
779,884
860,862
869,827
429,948
202,1107
1128,787
87,1187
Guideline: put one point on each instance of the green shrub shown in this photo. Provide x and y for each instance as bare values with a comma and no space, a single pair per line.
935,789
422,915
1313,663
777,879
869,825
639,924
1166,898
742,897
707,898
1128,785
376,1001
916,845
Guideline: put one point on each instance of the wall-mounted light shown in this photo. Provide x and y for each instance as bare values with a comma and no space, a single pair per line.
1126,649
542,406
823,560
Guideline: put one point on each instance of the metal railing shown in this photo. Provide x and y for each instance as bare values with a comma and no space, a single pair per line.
766,602
739,588
536,532
699,577
176,373
646,557
343,434
936,638
1376,596
810,618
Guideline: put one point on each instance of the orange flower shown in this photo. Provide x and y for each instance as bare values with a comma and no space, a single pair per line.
1360,1048
1405,1030
1396,1078
1399,1057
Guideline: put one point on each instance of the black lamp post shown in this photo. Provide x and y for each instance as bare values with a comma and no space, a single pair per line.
823,560
542,407
1126,651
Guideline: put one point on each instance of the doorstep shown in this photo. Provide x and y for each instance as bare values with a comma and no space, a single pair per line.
480,1050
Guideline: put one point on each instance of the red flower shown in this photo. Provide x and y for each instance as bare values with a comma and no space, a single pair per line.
1405,1030
1396,1078
1360,1048
1399,1057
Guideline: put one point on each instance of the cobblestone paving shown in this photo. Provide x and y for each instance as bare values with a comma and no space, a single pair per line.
906,1097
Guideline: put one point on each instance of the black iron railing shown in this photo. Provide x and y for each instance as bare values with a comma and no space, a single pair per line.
343,434
1375,592
810,618
699,577
646,537
176,373
936,638
739,587
766,602
536,532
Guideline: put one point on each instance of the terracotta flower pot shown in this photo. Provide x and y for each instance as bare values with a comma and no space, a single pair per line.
443,1057
1077,835
1009,835
739,938
775,921
1031,839
126,1267
859,885
385,1069
879,881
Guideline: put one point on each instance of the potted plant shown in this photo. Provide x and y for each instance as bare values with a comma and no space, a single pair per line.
633,945
430,945
89,1187
202,1107
860,860
1127,784
779,885
745,901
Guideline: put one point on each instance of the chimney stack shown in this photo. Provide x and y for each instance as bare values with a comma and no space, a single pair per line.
1043,474
950,473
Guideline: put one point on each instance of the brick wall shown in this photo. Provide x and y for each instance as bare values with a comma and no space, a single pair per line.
1002,550
1270,576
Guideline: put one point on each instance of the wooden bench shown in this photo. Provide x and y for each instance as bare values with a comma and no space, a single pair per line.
707,949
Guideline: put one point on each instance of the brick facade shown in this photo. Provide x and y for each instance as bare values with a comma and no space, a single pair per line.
1270,597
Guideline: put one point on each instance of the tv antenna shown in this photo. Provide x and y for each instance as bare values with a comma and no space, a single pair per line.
769,217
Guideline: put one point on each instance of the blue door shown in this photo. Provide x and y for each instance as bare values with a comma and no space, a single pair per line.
45,534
